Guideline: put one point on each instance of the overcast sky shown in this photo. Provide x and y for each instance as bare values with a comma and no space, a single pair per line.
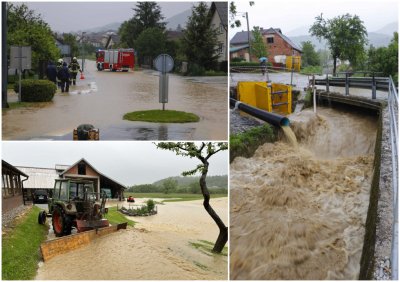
128,162
292,14
74,16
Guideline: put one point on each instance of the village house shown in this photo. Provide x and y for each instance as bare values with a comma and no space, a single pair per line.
279,46
219,20
12,187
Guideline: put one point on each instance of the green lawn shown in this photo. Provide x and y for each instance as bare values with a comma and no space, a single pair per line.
173,197
115,217
162,116
20,247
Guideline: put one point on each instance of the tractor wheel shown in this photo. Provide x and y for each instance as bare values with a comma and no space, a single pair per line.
61,223
42,217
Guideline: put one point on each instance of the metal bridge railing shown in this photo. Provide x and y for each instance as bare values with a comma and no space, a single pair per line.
393,104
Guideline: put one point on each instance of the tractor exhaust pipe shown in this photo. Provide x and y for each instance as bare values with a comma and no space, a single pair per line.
271,118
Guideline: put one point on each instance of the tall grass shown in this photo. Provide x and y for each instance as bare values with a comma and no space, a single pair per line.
20,247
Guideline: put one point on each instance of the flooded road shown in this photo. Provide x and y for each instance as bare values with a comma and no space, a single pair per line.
158,248
299,213
104,97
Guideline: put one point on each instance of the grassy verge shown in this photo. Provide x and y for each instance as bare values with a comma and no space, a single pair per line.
16,105
162,116
311,70
206,247
115,217
20,247
244,144
173,197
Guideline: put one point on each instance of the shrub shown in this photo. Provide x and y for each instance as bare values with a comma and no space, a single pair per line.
223,66
196,70
150,205
36,90
247,64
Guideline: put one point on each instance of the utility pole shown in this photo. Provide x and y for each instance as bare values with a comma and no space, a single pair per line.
4,65
83,52
248,35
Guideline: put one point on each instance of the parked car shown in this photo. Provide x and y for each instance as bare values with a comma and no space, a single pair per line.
40,196
130,199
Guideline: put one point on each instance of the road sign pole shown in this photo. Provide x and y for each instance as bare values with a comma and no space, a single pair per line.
20,72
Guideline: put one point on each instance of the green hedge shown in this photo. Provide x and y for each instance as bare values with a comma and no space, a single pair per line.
36,90
247,64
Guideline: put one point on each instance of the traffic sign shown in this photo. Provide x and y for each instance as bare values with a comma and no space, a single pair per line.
164,63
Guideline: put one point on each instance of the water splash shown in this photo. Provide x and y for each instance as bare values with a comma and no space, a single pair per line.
290,136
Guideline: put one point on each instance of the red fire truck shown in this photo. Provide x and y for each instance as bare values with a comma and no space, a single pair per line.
115,59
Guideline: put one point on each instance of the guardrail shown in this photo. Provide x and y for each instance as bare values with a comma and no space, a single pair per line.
373,83
393,104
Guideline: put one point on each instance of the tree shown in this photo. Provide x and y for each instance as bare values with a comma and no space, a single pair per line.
70,40
147,15
258,46
203,153
199,41
25,28
194,187
233,13
346,36
150,43
385,59
309,57
170,185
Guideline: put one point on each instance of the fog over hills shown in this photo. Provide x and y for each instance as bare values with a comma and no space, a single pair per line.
378,38
172,23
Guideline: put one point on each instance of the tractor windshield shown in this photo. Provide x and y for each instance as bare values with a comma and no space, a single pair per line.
64,191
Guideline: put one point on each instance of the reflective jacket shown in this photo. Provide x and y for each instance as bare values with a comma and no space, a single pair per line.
74,67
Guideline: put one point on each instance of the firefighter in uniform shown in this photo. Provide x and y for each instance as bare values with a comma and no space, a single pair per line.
58,68
74,67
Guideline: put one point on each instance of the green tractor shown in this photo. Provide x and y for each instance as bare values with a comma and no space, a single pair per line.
75,204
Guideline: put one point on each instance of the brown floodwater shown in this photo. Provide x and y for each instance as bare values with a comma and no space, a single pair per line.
299,212
104,97
158,248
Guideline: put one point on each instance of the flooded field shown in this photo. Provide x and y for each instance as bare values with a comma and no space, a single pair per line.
299,212
104,97
158,248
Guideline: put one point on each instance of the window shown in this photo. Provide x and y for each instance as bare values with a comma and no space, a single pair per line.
82,169
64,191
270,40
57,190
220,48
221,28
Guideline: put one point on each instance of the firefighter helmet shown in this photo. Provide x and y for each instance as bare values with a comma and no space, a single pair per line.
60,61
74,58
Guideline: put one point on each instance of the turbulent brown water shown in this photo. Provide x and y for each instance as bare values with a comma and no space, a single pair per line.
299,213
